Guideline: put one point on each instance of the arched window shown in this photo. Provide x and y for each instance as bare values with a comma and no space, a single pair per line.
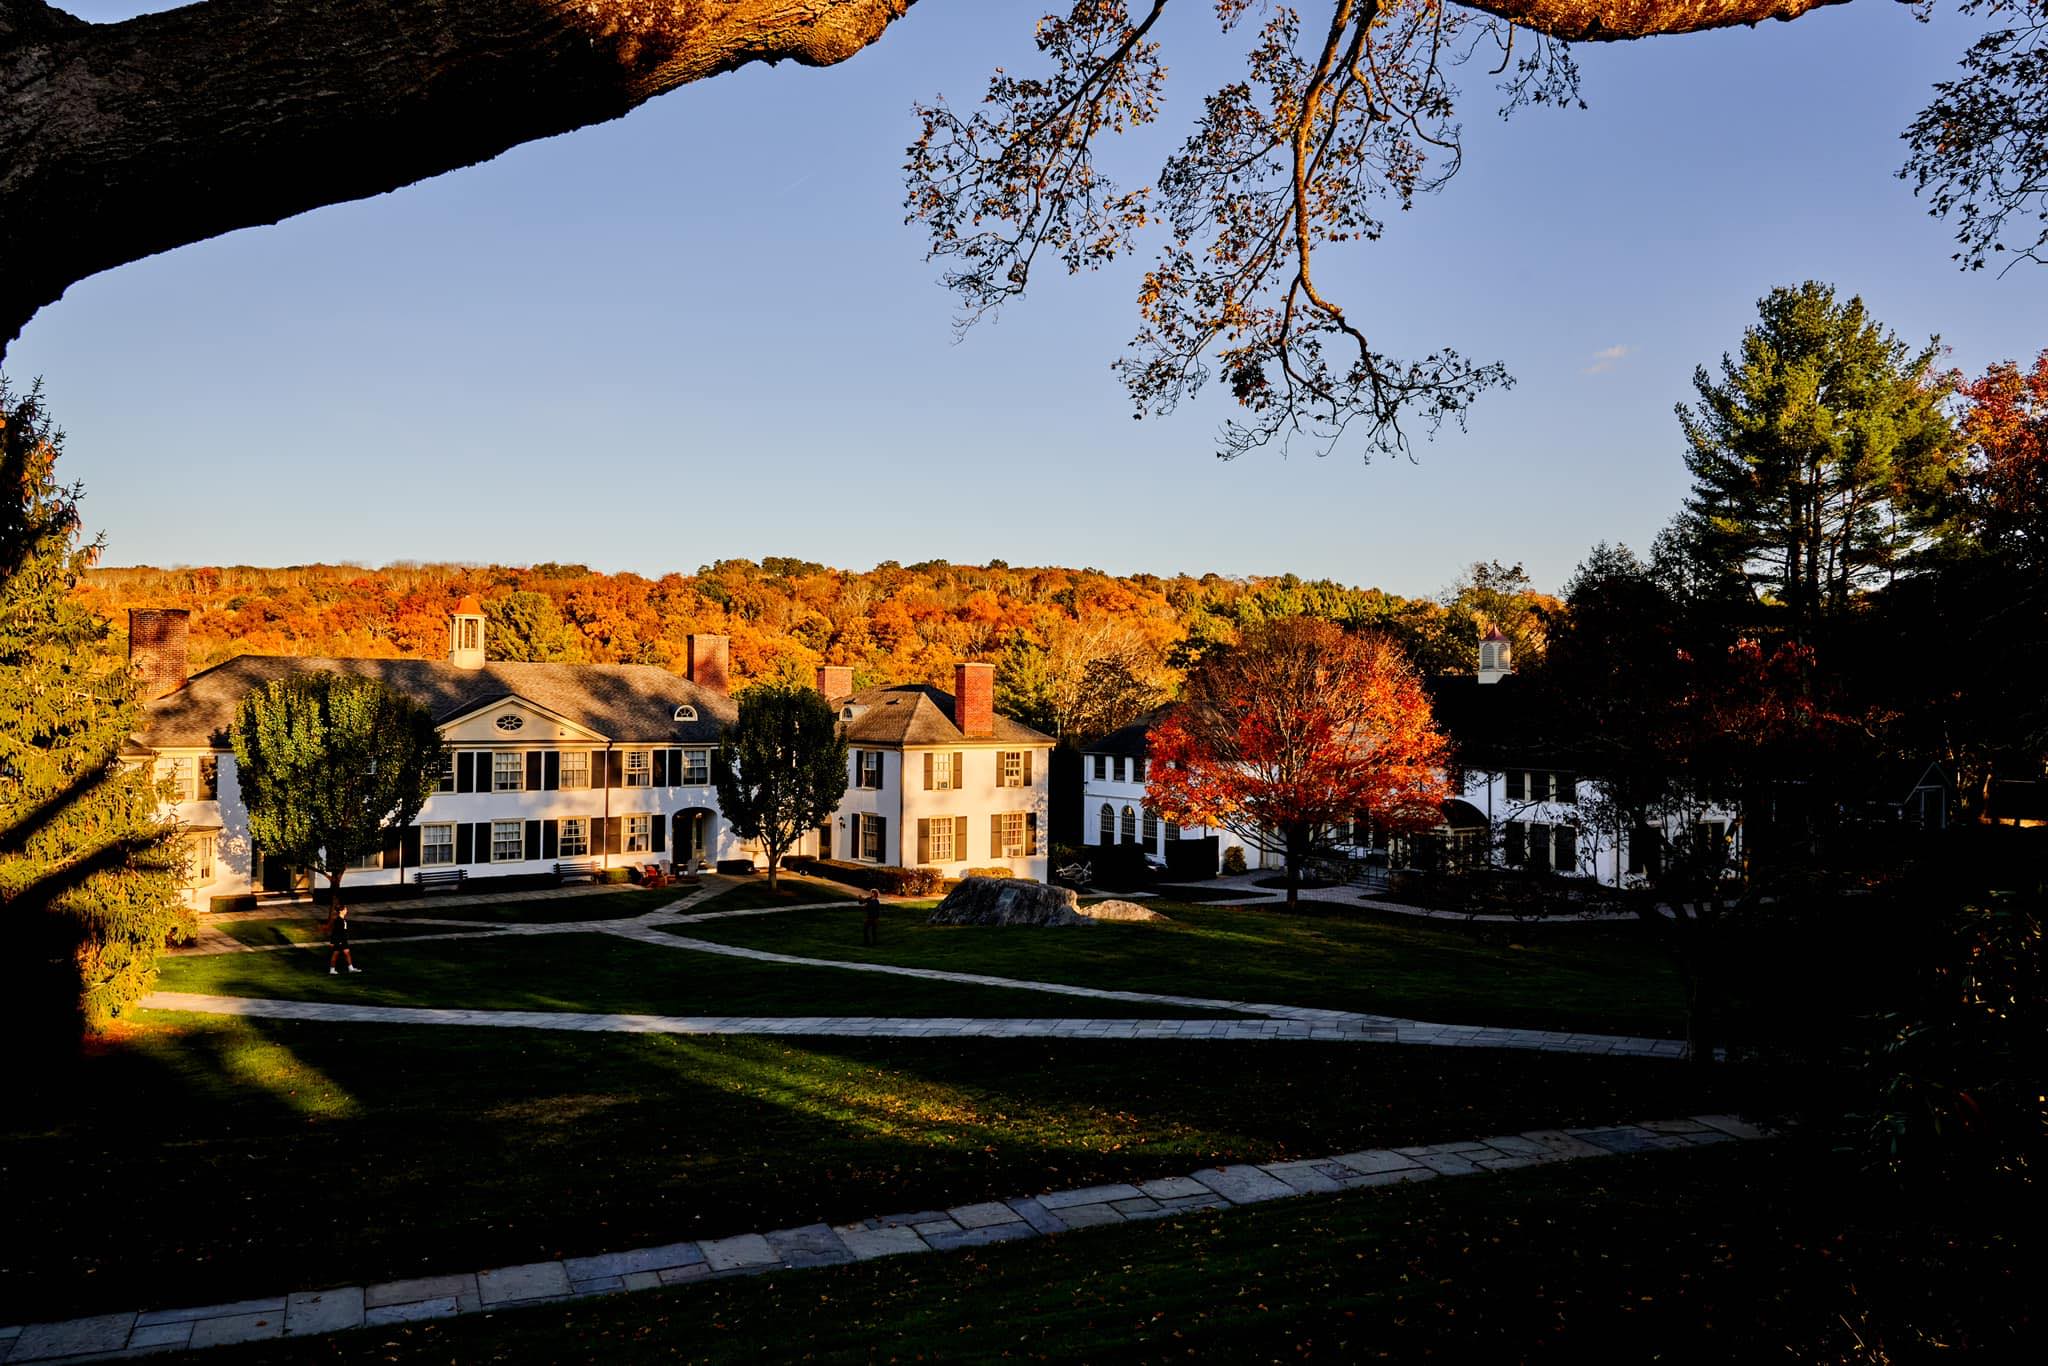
1108,824
1151,828
1130,825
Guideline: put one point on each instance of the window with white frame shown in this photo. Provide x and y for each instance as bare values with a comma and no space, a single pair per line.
1101,767
1138,769
508,841
575,837
199,855
373,859
1130,825
867,768
943,778
1151,827
639,834
1173,830
575,769
1013,838
696,767
1010,768
639,768
182,774
870,837
508,772
939,839
437,845
1120,762
447,783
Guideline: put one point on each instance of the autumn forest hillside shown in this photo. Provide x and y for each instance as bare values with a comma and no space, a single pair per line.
1078,650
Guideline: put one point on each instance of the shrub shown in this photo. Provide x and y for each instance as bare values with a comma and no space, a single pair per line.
992,871
881,877
1233,860
615,875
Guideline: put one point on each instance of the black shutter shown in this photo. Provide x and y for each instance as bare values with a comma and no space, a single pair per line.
1031,834
465,776
533,840
394,848
661,768
960,838
614,768
1027,768
533,763
615,834
882,838
410,852
483,841
486,772
551,771
550,839
924,841
1515,788
657,826
465,852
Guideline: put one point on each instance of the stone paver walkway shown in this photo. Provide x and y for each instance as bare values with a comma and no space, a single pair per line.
1312,1026
306,1313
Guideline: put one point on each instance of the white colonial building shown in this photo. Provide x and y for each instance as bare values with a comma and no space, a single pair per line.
600,764
1115,805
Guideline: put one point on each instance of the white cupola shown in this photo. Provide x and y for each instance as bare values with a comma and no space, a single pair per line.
1496,657
466,634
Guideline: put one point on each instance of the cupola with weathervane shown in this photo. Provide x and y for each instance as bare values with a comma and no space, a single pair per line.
466,634
1496,658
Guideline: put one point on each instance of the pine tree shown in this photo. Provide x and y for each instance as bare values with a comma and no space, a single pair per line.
1807,457
90,875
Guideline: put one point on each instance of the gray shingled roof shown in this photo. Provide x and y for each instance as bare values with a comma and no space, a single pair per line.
623,702
916,714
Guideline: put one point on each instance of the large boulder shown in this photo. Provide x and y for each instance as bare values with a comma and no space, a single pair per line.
1119,910
1006,901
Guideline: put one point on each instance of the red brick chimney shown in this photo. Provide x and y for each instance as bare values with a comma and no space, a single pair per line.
709,662
156,649
974,699
835,680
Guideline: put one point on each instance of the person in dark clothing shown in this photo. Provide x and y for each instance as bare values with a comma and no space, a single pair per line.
871,919
337,942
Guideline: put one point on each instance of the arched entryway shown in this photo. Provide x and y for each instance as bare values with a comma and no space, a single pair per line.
695,837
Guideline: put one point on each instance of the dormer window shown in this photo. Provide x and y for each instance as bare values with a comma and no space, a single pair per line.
686,712
847,714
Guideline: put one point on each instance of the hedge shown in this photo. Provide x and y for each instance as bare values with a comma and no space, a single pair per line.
886,878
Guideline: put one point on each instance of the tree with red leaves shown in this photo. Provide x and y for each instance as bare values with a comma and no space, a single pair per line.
1294,733
2006,488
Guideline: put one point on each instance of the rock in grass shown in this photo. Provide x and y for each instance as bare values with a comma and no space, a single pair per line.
1006,901
1120,910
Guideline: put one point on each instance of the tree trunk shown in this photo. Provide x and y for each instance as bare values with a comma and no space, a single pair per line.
774,864
334,878
118,141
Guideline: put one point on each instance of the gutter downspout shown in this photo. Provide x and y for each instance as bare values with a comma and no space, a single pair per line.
606,842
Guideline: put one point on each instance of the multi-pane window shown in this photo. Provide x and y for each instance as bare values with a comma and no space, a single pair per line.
508,772
696,767
1138,769
1010,768
575,837
508,841
639,834
1120,762
1108,824
373,859
1151,828
437,845
943,777
939,839
1130,825
575,769
639,768
1173,830
870,837
1012,835
1101,767
447,783
199,849
183,776
867,768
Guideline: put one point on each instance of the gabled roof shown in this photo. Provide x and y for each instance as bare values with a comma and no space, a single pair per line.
1130,741
631,703
918,714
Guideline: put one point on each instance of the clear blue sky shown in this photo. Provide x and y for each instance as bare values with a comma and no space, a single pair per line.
703,332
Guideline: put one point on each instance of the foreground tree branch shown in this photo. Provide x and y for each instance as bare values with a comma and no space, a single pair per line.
118,141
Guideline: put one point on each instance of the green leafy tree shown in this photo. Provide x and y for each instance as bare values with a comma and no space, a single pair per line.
527,627
330,765
780,767
90,875
1811,458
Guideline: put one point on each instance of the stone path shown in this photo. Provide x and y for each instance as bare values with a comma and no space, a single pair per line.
306,1313
1313,1026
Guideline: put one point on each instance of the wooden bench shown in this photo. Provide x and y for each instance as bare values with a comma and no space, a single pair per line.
577,868
428,880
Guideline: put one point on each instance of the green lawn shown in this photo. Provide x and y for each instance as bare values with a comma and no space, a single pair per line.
305,929
623,904
196,1159
1574,977
1641,1259
600,972
790,890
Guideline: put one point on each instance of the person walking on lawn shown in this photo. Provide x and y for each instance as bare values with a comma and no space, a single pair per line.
871,919
337,942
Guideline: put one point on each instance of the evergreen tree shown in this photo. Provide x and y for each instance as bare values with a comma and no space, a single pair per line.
90,876
780,768
527,626
331,768
1809,457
